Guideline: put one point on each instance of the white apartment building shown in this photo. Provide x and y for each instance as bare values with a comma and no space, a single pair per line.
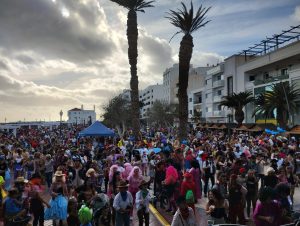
170,80
259,73
274,60
81,116
195,91
148,96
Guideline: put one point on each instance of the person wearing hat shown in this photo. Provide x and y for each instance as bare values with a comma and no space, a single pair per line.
58,203
271,179
92,179
123,203
188,188
142,203
13,207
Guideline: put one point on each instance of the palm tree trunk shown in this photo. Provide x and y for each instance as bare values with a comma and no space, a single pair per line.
185,55
132,37
239,116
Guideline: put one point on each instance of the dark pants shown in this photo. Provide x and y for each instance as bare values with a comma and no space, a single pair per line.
143,215
49,178
38,218
122,219
206,180
251,199
236,211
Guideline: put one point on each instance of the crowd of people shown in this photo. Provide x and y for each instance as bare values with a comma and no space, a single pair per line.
56,175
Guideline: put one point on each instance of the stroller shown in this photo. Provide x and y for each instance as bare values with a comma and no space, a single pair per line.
101,210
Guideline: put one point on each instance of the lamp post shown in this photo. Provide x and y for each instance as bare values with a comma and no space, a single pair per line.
60,114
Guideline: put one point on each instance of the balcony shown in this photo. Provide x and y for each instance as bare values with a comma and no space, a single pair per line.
197,103
272,79
218,83
209,114
217,98
219,113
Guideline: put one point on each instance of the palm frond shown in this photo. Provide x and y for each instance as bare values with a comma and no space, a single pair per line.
136,5
187,20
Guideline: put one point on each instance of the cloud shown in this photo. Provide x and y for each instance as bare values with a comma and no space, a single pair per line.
40,26
296,15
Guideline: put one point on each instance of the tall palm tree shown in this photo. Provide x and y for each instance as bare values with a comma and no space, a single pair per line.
237,101
187,22
284,98
133,7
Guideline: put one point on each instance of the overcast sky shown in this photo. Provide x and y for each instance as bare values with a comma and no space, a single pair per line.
59,54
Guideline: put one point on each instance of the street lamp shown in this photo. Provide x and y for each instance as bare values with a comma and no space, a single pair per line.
60,114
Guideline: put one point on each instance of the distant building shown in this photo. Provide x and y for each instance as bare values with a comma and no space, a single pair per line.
81,116
148,96
195,91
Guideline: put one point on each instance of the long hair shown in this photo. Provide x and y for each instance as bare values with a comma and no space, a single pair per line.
131,174
128,167
112,169
171,171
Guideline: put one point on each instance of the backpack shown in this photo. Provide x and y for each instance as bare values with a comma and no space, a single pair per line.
189,197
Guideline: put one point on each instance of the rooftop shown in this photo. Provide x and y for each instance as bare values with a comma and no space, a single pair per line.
271,44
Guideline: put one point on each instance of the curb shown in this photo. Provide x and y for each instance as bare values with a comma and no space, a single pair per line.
158,216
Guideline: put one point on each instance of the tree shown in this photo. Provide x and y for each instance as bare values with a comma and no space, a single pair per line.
260,107
161,114
282,98
237,101
117,114
187,23
133,7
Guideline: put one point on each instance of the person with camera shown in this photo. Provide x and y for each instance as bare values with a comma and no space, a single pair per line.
123,204
142,203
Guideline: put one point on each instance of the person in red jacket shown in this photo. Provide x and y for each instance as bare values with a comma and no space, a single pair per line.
188,184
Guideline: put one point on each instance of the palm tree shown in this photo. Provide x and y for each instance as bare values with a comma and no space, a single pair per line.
133,7
282,97
237,101
187,22
260,107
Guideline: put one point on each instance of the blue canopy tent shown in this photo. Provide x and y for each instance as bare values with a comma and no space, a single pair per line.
97,129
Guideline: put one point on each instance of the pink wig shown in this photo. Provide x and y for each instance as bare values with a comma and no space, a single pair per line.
128,168
112,170
132,172
171,172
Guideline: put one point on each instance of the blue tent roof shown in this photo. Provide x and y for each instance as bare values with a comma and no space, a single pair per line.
97,129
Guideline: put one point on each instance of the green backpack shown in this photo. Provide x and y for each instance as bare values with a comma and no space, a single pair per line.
189,197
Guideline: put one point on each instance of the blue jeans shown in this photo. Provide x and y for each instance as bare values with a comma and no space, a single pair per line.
122,219
49,179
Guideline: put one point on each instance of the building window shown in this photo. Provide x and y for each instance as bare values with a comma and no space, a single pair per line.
191,99
206,82
191,112
206,109
219,92
284,71
251,78
206,95
230,85
219,107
